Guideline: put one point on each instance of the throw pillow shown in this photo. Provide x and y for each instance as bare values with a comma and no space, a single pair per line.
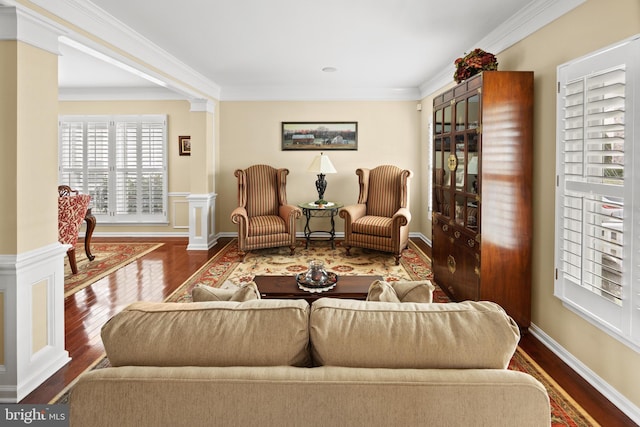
414,291
246,292
209,293
411,291
382,291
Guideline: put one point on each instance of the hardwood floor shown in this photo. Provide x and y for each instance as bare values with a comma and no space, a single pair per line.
157,274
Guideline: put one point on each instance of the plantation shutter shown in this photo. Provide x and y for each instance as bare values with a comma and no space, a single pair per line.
97,166
71,153
594,196
121,162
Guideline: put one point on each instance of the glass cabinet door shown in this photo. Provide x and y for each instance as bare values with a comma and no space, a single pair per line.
457,161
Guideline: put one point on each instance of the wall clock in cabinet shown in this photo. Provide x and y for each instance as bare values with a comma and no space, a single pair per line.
482,217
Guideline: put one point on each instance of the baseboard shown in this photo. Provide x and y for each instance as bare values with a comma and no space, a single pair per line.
626,406
138,234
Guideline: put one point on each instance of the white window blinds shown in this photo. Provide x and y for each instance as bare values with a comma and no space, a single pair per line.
595,206
120,161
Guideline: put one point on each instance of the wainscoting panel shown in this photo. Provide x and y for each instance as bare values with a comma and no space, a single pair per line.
32,289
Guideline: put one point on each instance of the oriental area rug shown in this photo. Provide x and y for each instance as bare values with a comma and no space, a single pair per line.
109,257
226,270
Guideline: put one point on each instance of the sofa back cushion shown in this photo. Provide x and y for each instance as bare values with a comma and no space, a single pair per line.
217,333
411,335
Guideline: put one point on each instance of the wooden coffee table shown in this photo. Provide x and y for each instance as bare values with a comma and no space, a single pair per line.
286,287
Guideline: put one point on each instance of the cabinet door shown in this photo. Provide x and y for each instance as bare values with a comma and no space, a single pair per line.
456,263
467,155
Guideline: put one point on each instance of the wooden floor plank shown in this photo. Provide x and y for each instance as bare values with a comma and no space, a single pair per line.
157,274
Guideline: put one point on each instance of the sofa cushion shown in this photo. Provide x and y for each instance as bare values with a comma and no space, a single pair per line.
209,293
266,225
217,333
411,291
411,335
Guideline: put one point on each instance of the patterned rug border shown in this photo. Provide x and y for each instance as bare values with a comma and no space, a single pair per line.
110,270
553,387
221,253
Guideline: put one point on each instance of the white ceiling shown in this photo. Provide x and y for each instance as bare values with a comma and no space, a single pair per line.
250,45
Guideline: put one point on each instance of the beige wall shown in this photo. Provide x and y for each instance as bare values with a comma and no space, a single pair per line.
8,146
250,133
594,25
28,95
37,145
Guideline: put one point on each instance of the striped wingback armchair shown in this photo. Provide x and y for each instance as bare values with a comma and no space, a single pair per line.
380,219
264,218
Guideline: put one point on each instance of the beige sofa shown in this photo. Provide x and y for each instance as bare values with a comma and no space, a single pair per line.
285,363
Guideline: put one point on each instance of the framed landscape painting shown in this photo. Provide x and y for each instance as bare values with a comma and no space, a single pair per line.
324,136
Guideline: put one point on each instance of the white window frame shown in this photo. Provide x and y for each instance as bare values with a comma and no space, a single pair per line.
620,318
112,212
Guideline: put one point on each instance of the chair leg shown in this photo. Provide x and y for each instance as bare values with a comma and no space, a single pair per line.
292,248
243,255
348,249
71,253
397,257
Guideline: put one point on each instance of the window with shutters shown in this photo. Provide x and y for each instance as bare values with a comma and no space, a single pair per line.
120,161
597,239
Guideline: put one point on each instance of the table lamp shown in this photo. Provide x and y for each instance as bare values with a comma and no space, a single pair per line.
321,165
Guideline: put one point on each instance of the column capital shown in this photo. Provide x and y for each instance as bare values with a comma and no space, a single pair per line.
202,105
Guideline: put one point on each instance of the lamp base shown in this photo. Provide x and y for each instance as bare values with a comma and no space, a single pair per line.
321,185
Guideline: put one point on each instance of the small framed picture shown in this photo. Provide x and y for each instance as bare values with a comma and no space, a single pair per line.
184,145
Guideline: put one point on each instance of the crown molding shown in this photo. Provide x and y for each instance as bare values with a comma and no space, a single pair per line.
528,20
25,26
149,58
118,94
305,93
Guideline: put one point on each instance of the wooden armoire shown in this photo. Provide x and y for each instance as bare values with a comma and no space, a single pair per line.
482,195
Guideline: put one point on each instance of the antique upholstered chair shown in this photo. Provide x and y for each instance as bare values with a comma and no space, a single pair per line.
264,218
72,208
380,219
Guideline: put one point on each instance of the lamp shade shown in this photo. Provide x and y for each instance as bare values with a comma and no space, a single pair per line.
322,164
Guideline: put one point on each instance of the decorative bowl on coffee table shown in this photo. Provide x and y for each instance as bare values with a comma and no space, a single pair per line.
315,287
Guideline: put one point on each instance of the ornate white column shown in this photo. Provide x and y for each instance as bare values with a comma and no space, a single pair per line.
202,198
32,345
